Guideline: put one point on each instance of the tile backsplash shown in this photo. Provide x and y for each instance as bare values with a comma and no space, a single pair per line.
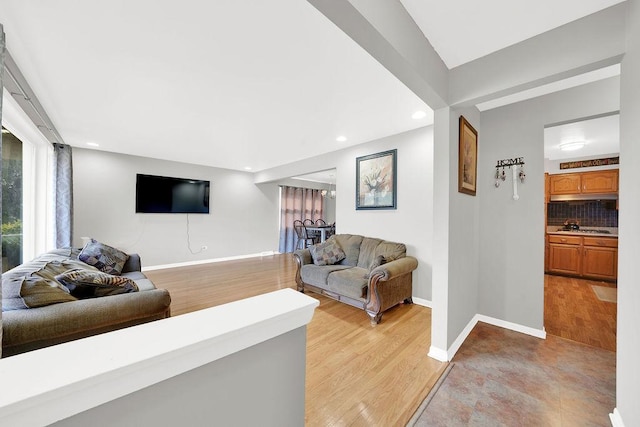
592,213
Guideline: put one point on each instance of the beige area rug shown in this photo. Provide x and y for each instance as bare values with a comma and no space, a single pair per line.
606,294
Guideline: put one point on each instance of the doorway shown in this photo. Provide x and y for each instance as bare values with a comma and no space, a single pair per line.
581,230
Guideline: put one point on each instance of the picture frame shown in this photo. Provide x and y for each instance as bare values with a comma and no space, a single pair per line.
467,158
377,181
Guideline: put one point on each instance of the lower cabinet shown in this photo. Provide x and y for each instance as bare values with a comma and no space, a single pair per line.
564,255
600,258
588,257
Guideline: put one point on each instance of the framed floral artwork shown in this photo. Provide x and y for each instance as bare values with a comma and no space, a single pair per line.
376,181
467,158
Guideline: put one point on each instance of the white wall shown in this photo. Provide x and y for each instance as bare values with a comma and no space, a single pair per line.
243,217
628,374
512,233
411,223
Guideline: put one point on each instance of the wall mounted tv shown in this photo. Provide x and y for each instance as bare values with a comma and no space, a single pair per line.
163,194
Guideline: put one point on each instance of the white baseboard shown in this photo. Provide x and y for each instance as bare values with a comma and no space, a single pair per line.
492,321
423,302
616,418
463,336
438,354
207,261
512,326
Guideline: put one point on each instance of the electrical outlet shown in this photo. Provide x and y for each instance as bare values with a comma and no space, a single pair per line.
205,247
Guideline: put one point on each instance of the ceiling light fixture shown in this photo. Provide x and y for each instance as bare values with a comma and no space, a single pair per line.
93,144
419,115
247,168
572,146
341,138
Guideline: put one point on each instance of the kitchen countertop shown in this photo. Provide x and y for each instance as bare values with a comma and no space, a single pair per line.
613,231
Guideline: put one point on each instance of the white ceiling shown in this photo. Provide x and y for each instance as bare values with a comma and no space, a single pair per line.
464,30
601,136
239,84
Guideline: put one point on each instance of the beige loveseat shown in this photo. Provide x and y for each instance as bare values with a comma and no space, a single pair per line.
38,312
374,274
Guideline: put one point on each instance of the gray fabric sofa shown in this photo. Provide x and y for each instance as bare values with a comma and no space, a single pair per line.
374,276
37,312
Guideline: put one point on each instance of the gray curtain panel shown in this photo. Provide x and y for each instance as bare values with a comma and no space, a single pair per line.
63,179
297,203
1,85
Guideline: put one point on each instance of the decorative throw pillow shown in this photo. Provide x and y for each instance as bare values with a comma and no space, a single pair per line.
103,257
91,284
327,253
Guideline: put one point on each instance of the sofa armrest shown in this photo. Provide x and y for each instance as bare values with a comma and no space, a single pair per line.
132,264
303,256
395,268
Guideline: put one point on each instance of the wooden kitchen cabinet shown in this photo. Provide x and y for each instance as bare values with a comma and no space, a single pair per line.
588,257
565,183
564,254
600,181
600,258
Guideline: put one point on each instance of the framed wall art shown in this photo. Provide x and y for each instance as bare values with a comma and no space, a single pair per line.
376,181
467,158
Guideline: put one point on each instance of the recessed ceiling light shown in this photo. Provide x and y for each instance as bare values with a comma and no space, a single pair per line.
247,168
93,144
419,115
572,146
341,138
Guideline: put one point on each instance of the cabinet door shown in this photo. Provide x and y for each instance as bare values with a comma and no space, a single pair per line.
600,262
564,258
600,182
567,183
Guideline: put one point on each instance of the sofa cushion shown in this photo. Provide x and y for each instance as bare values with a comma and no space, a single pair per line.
316,275
350,282
103,257
391,250
326,253
377,262
92,284
368,251
350,244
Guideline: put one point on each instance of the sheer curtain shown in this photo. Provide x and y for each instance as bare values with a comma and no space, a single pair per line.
297,203
63,182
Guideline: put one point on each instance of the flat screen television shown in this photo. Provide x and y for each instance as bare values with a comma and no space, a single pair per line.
163,194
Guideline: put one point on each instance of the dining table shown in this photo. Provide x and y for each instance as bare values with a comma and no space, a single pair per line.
321,229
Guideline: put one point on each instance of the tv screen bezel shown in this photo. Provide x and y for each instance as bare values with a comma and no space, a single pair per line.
141,209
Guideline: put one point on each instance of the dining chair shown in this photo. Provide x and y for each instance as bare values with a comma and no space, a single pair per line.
303,239
320,221
312,234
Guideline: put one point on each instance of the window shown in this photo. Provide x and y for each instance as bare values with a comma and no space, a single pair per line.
11,200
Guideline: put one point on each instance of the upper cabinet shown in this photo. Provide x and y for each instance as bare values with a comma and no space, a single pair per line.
566,183
598,182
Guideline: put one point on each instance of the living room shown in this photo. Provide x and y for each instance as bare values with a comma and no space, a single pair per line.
470,250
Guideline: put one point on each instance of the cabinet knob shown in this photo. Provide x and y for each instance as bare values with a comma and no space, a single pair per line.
563,240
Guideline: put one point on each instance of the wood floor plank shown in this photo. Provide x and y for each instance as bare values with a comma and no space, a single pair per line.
573,311
357,375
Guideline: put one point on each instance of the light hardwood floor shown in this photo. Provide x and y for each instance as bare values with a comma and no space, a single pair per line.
357,375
